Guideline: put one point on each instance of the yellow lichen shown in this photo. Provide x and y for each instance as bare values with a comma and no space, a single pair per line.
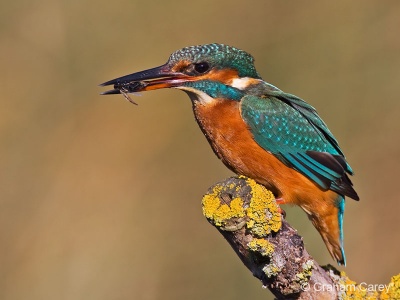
303,277
350,289
220,213
211,202
261,246
363,291
271,270
263,212
393,289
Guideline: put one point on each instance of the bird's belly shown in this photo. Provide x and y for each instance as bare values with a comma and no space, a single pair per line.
234,144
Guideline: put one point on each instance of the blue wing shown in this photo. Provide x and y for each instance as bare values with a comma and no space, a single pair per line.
291,129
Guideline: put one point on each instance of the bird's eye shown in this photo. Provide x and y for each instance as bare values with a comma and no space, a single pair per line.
201,67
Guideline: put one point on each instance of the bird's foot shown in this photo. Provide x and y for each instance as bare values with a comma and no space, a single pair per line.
280,201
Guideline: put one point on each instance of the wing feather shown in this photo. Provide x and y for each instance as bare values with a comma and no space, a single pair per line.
291,129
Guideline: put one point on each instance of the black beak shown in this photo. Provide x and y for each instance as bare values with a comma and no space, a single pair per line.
151,79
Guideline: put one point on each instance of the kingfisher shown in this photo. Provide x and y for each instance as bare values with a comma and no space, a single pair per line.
258,131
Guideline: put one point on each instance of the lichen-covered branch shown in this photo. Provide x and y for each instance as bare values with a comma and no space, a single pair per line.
246,214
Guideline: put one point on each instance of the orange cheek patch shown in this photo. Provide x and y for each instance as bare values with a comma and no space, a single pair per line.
225,76
229,77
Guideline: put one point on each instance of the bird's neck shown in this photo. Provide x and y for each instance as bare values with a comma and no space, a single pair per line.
213,89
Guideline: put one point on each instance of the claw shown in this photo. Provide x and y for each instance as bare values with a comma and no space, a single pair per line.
282,212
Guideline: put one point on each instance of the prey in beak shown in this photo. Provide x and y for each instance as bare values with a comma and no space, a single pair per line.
151,79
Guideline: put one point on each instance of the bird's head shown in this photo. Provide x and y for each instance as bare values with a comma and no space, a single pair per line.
204,72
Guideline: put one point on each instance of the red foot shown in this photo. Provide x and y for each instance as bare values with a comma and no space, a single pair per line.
280,201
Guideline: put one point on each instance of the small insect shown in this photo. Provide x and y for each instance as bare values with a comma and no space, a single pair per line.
129,88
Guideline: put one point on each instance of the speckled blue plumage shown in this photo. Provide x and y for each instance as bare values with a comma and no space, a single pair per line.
219,56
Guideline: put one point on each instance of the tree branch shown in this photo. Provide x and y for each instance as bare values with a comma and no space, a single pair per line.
246,214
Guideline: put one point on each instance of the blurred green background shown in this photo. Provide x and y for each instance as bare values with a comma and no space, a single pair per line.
100,199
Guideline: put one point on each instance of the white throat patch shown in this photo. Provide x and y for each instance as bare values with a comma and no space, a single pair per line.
199,95
242,83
